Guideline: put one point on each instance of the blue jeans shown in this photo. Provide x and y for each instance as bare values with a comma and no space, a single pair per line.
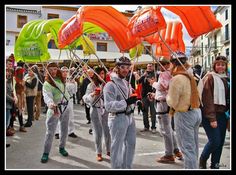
8,117
216,139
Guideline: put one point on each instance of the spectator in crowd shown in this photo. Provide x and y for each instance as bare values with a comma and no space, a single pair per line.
84,86
10,99
19,89
147,102
216,101
183,99
31,84
37,100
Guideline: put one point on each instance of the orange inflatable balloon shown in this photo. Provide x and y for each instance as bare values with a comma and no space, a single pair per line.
69,31
146,22
172,36
106,17
198,20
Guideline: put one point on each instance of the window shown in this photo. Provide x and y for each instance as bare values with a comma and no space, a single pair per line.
101,46
21,20
215,41
51,16
8,42
227,52
226,31
226,14
51,44
147,50
16,37
209,61
202,49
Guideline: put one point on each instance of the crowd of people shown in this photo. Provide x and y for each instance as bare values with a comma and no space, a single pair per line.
179,97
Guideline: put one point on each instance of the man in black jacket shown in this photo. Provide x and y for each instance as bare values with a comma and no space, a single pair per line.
84,85
148,102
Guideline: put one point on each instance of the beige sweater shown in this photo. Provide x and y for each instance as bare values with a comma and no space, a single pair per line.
179,93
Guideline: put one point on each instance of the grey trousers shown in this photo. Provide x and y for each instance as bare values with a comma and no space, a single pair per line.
99,120
51,124
187,127
166,129
123,140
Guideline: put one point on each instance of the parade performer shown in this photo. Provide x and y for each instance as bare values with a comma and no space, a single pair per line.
56,98
99,116
119,102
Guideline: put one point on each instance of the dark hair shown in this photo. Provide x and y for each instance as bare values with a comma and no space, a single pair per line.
150,75
123,61
183,60
98,70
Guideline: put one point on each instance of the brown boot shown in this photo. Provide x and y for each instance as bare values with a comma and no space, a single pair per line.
11,129
166,159
179,155
99,157
9,133
22,129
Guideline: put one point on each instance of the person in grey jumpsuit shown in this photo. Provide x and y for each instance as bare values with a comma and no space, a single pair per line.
71,86
120,105
99,116
58,109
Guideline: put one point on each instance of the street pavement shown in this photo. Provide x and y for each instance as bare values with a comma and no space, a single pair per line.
26,148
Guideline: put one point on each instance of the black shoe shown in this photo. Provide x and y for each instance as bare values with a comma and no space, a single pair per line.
27,124
88,122
91,131
56,136
8,145
202,164
73,135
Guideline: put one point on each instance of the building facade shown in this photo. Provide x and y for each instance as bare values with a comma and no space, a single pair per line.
217,42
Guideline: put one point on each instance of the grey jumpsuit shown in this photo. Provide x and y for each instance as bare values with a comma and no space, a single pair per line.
53,95
122,126
99,119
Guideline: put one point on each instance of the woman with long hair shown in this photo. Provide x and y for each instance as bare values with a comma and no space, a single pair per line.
56,98
99,116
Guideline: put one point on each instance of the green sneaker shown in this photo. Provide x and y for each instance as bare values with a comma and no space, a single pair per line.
44,158
63,152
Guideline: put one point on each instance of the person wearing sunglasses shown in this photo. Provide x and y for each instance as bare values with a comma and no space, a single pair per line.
184,101
119,102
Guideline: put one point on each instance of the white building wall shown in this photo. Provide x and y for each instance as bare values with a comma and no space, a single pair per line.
11,21
63,14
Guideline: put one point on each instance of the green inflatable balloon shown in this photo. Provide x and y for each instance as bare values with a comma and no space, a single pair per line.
32,43
136,51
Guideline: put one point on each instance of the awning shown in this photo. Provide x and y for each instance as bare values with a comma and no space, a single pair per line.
107,56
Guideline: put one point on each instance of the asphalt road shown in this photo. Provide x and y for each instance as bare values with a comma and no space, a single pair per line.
26,148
